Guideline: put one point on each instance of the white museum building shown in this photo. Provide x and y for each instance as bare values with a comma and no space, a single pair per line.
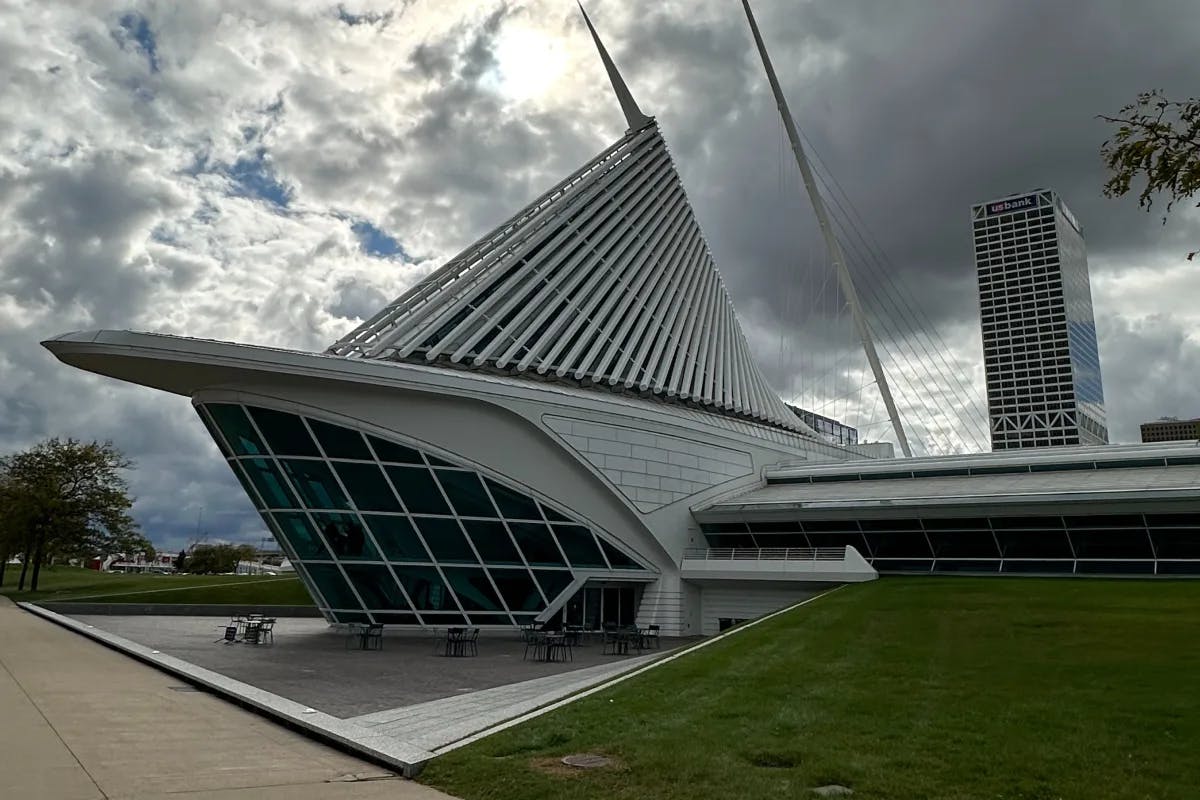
538,429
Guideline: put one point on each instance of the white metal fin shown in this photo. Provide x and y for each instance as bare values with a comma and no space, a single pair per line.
633,114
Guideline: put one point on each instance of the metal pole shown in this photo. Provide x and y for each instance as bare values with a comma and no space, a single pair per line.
831,241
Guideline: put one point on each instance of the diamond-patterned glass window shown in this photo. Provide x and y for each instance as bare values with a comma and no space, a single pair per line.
376,587
212,431
367,486
314,481
299,533
237,429
394,453
339,442
285,433
580,546
424,585
466,493
418,490
553,582
534,540
491,539
445,540
474,590
346,537
518,589
332,585
396,537
372,525
618,559
240,474
269,482
512,504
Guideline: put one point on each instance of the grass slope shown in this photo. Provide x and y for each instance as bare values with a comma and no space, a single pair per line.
901,688
72,583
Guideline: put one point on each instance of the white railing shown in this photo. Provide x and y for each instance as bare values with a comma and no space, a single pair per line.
766,553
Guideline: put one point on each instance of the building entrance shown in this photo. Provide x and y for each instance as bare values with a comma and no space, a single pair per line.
594,607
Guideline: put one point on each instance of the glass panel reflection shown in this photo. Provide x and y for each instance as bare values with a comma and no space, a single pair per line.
466,493
445,540
518,589
553,515
513,505
534,540
315,483
580,546
492,541
376,587
245,482
339,442
285,433
346,537
332,585
396,537
299,533
269,482
553,582
218,440
616,558
367,486
416,487
426,589
237,429
475,592
390,451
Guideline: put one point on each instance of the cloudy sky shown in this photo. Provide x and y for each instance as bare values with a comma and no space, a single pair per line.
271,172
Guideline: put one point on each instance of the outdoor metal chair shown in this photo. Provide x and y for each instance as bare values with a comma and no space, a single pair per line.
230,636
536,644
650,637
372,637
470,643
266,631
253,632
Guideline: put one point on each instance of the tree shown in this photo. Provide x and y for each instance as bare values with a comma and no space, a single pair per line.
66,499
218,558
181,561
1157,139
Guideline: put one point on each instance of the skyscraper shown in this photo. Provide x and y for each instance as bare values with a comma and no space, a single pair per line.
1039,335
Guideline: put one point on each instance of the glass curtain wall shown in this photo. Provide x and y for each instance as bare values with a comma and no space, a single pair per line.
1103,544
384,532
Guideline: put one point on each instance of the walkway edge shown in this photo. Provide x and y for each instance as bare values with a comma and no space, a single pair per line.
385,750
658,662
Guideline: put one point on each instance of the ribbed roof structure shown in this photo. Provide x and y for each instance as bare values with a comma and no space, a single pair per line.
606,280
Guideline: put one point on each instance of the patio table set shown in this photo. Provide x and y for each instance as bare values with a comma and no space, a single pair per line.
249,629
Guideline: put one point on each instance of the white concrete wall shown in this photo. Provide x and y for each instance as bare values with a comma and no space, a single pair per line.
748,600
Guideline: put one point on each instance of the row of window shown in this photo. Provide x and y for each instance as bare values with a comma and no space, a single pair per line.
999,469
1047,543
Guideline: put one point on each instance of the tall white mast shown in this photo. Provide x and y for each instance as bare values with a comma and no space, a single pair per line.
831,241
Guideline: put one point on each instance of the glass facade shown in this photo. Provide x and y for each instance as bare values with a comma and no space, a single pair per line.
1103,544
386,532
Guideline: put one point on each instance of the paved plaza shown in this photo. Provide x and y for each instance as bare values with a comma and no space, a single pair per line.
400,706
310,663
82,722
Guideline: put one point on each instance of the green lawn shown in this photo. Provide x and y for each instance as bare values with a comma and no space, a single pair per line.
72,583
1020,689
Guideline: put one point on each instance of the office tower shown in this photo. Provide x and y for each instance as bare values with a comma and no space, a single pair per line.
1039,335
1171,429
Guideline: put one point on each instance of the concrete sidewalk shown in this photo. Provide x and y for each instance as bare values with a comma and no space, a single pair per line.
81,721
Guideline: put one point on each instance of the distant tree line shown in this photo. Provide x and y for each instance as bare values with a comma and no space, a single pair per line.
64,499
213,558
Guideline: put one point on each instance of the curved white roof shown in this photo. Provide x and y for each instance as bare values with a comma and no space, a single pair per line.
605,280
